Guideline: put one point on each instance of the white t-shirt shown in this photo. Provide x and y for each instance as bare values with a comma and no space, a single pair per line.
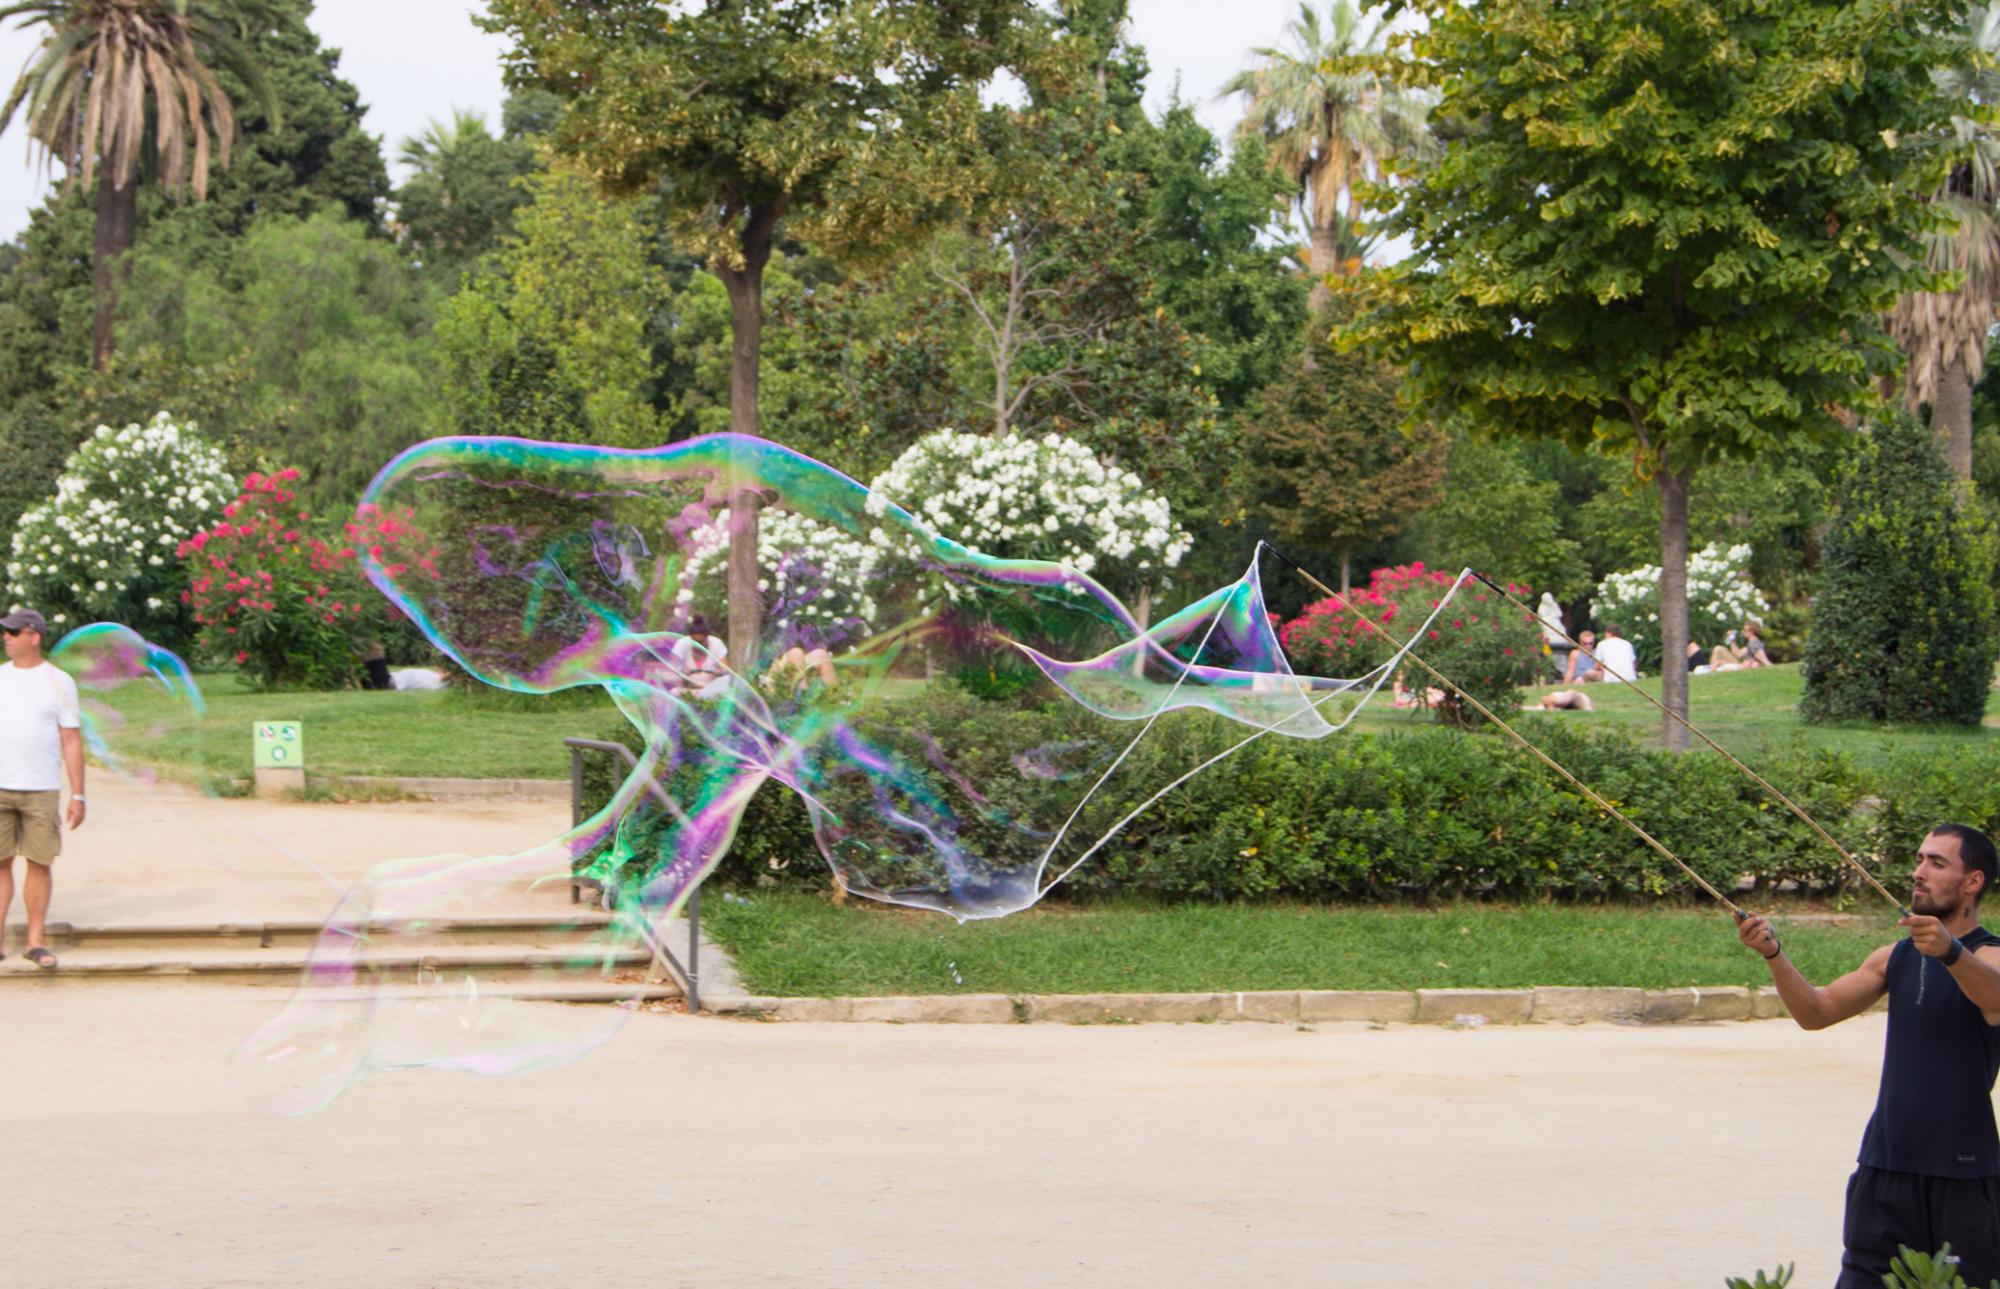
1618,657
35,704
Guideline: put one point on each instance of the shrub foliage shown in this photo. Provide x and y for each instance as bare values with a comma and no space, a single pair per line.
1903,626
1427,814
282,603
1488,647
102,548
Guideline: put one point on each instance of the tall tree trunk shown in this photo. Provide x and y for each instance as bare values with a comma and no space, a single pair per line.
1321,259
745,285
117,223
1951,418
1346,569
1673,603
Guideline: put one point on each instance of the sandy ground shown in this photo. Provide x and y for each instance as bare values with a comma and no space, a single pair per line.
168,854
715,1153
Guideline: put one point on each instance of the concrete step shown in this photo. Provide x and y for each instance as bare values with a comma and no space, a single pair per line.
539,932
424,967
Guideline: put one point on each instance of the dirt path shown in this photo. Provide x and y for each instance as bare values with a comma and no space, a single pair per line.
168,854
711,1153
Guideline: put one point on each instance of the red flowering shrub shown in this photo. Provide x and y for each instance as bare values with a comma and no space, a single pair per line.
285,605
1485,645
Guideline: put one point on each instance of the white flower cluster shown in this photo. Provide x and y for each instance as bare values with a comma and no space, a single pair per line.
1019,498
1720,597
814,579
103,546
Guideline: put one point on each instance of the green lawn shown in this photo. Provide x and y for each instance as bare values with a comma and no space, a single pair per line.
362,732
1746,712
788,943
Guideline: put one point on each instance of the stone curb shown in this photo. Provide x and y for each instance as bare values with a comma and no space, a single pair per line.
1544,1005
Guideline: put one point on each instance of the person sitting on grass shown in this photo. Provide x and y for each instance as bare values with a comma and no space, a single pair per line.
1406,697
1750,652
1928,1172
1567,700
702,659
1616,659
801,667
1580,658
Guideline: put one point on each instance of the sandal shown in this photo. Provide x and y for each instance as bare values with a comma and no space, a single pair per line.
41,958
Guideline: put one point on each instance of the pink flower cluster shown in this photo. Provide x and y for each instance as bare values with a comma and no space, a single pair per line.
260,578
1346,638
237,565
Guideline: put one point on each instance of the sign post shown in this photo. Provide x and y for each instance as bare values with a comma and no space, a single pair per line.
278,756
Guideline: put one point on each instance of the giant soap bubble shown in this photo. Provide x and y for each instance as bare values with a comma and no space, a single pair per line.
561,566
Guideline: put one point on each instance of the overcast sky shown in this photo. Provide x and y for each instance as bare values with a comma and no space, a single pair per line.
417,59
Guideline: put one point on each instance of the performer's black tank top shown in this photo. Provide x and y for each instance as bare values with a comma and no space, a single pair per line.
1934,1114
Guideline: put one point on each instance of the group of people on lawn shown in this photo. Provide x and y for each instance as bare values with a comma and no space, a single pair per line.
1613,658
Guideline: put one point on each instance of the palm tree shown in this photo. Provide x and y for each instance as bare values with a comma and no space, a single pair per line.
1329,119
431,152
1352,242
1944,333
111,73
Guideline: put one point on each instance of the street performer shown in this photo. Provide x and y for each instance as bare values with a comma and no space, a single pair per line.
1929,1169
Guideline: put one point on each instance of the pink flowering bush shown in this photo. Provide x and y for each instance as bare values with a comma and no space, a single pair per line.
1486,646
286,605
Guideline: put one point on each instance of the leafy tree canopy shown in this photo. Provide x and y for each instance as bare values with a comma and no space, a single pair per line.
1210,235
317,155
1668,226
328,328
858,121
548,339
1665,229
465,184
1327,463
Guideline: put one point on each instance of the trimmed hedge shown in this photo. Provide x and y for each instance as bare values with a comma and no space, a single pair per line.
1429,814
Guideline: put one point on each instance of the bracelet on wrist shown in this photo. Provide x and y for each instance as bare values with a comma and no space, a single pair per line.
1951,955
1773,957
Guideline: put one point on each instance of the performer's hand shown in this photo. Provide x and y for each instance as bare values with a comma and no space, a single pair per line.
1756,933
75,814
1929,935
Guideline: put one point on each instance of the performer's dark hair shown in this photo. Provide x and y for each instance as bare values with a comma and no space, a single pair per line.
1976,849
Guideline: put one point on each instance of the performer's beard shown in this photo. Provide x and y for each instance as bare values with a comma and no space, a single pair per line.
1921,901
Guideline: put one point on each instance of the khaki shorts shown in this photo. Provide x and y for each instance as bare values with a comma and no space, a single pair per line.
30,826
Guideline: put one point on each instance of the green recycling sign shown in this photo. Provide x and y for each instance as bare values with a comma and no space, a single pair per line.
278,745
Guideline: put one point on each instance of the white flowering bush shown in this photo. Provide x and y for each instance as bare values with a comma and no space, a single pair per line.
1721,598
1020,498
814,579
102,548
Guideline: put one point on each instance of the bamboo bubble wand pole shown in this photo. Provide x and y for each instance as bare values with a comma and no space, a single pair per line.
1685,724
1610,810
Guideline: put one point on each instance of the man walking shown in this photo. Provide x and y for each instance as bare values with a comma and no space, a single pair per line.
1929,1167
40,739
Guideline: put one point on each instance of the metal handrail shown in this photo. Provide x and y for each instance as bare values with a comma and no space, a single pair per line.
689,976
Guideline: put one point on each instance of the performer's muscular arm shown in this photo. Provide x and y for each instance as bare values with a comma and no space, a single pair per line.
1977,973
1811,1006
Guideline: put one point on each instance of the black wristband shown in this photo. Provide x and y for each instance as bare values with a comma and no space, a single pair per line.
1951,954
1772,957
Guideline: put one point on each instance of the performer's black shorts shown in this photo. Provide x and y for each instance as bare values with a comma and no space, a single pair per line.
1885,1210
